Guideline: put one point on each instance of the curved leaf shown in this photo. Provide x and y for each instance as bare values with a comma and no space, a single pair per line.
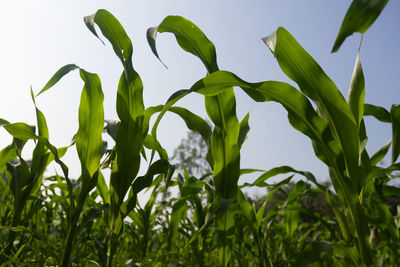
359,17
57,76
189,37
378,112
298,65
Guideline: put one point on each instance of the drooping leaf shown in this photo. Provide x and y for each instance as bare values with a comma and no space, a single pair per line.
194,123
359,17
130,108
298,65
189,37
57,76
221,109
378,112
159,167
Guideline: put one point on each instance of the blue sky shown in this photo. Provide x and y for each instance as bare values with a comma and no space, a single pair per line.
38,37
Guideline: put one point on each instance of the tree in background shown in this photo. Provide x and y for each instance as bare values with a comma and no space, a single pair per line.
191,154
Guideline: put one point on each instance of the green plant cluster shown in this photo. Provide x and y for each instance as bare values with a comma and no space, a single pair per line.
48,221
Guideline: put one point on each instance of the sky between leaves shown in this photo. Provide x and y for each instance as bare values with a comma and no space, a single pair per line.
38,37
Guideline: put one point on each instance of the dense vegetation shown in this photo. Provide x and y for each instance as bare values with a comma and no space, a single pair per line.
197,214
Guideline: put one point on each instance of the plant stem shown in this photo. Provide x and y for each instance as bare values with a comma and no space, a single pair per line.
73,225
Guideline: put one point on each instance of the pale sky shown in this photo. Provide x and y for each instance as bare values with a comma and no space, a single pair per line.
38,37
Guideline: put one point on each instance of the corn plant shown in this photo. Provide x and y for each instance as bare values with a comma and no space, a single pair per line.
25,180
336,128
228,134
211,221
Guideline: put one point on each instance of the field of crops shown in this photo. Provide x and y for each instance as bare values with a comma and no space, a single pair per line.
197,213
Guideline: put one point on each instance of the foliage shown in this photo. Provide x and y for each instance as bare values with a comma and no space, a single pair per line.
210,222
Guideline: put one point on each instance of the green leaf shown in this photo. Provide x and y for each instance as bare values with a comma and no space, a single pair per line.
25,132
395,117
380,154
189,37
221,109
378,112
248,211
91,121
298,65
191,187
151,143
130,108
357,92
103,189
179,211
247,171
161,166
7,154
194,123
3,122
244,130
20,130
114,32
359,17
57,76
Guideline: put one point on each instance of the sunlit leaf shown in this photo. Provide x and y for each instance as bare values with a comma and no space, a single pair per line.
359,17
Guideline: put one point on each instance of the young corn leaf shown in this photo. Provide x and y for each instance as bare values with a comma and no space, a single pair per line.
91,121
378,112
6,155
148,113
380,154
359,17
191,187
57,76
151,143
395,118
179,212
298,65
103,189
248,211
194,123
244,130
161,166
189,37
221,109
130,108
356,95
132,128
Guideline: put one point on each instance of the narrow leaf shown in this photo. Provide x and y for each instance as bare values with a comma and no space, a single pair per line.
57,76
378,112
395,116
357,92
